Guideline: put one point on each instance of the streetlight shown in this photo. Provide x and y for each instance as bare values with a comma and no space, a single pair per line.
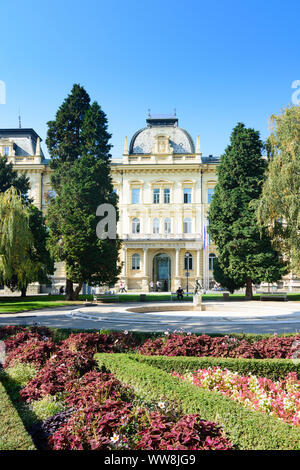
188,257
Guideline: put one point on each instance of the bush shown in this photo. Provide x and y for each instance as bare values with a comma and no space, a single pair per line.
274,369
21,373
205,345
246,428
46,407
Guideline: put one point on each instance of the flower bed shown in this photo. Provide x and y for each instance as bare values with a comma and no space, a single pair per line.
100,411
204,345
280,399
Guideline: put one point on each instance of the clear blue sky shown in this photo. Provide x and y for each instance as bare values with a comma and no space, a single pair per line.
217,62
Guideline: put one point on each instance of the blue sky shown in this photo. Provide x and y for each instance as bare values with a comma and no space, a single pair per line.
216,62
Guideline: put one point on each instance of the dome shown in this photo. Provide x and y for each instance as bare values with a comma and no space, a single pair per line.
180,140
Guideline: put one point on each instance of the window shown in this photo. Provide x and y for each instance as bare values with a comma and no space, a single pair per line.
156,196
210,193
188,261
135,196
187,225
136,261
212,260
187,195
6,151
167,225
136,228
155,225
166,196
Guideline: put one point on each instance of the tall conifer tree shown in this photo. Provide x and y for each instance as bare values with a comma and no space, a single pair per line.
82,182
245,255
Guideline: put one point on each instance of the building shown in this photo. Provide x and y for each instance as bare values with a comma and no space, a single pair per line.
164,184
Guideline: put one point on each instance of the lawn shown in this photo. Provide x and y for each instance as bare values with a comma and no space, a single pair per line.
17,304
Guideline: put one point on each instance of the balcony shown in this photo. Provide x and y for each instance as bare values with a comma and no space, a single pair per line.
161,236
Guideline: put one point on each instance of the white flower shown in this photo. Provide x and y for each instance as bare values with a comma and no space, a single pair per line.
161,405
126,332
114,438
167,333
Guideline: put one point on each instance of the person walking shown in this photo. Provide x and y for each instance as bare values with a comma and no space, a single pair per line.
158,286
151,286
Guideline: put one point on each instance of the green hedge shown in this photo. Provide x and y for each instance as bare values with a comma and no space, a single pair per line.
274,369
247,429
13,435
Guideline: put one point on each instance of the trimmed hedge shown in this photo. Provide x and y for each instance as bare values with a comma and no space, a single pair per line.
274,369
247,429
13,435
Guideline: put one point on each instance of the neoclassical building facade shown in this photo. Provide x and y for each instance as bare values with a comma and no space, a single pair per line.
164,185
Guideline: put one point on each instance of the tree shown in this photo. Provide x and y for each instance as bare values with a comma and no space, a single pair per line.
38,265
82,182
16,240
244,254
222,279
279,205
9,177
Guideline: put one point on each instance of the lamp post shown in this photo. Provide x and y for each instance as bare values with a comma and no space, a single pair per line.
187,274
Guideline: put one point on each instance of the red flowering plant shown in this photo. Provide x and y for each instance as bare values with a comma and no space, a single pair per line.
62,367
9,330
94,388
33,350
99,342
204,345
188,433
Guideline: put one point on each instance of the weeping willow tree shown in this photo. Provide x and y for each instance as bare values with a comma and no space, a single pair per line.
279,205
16,241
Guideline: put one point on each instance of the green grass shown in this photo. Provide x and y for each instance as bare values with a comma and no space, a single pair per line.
13,435
246,429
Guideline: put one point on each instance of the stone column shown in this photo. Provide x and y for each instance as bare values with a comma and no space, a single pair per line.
177,263
145,262
145,280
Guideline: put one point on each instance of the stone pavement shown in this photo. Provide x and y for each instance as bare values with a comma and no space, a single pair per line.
235,317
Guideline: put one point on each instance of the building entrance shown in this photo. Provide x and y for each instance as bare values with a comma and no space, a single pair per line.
162,271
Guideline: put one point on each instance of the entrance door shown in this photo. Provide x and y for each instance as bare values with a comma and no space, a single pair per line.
162,271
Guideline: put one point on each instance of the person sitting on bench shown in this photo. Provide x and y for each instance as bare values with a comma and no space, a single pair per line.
179,293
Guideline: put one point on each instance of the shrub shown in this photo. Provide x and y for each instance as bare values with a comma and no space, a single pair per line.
21,373
246,428
46,407
32,351
274,369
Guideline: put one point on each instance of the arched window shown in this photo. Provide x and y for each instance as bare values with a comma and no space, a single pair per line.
155,225
136,227
167,225
187,225
212,260
188,261
136,261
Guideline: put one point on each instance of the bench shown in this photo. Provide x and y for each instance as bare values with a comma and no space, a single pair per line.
185,294
273,296
105,297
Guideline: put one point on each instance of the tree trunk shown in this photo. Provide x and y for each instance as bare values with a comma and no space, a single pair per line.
23,291
77,290
72,294
249,293
69,290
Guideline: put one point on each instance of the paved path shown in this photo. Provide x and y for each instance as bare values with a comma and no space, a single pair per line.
238,317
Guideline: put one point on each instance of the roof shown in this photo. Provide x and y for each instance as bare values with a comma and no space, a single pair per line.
180,140
25,140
